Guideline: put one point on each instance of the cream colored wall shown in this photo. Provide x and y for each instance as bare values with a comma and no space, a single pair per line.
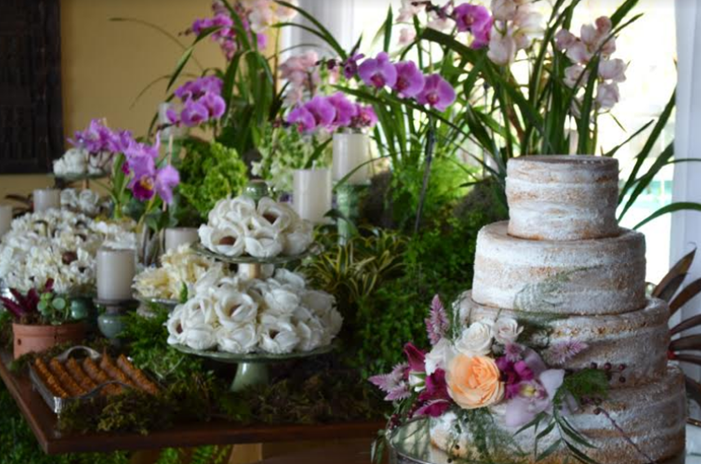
105,64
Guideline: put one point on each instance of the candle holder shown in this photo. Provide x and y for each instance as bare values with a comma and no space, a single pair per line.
348,200
111,322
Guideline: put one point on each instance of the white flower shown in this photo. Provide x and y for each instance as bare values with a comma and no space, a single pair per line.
262,16
311,334
506,330
528,26
289,279
477,339
572,75
439,356
232,211
175,327
298,239
239,339
417,381
278,216
278,338
285,14
200,337
235,309
264,242
281,301
613,70
406,36
503,10
74,161
318,301
228,240
607,95
88,202
502,47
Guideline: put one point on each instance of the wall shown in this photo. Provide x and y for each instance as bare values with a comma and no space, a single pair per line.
106,64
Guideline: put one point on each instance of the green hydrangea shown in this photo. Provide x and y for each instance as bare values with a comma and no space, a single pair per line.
210,172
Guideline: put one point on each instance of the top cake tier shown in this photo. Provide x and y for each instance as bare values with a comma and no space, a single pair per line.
562,197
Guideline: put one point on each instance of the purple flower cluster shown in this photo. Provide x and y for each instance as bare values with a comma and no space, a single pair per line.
331,112
476,20
408,81
98,138
437,323
202,102
147,180
225,36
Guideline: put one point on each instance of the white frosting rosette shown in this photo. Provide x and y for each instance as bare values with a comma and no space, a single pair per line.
267,229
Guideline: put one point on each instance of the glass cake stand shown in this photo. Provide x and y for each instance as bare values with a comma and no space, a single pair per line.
411,444
253,368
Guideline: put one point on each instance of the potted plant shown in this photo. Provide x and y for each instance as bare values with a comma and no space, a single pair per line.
43,319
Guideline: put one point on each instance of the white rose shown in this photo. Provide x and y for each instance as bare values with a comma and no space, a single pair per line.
226,240
174,325
477,339
506,330
89,202
278,338
239,339
438,357
264,242
236,309
209,279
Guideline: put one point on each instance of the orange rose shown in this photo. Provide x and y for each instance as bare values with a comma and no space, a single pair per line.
474,381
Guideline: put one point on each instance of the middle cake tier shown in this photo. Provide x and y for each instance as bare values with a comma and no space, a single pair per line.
631,346
602,276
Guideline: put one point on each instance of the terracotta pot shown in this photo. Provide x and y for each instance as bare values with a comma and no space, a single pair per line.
38,338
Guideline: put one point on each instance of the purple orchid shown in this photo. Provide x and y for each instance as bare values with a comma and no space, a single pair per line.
437,322
323,111
225,36
96,138
378,72
365,117
302,118
146,180
194,113
350,65
202,102
410,80
533,389
437,92
395,384
345,109
471,18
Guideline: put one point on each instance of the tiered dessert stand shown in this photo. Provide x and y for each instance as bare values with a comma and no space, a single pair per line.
253,368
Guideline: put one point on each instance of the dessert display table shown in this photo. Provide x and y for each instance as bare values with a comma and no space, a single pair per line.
43,423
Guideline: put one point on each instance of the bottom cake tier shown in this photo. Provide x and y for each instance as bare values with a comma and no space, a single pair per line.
639,425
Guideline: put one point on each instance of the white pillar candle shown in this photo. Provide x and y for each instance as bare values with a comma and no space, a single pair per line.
312,194
351,150
115,273
5,219
177,236
45,199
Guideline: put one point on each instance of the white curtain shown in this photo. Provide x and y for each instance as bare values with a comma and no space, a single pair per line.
686,225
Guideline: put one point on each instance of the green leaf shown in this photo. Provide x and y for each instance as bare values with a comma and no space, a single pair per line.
584,121
551,449
59,304
643,183
622,12
615,149
388,30
672,208
185,57
578,454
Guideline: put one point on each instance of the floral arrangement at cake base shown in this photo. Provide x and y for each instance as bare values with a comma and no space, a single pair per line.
43,320
278,315
491,397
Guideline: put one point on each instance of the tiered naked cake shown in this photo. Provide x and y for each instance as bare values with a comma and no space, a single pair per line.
563,255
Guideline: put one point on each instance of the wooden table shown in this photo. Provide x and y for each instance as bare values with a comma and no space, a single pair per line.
43,423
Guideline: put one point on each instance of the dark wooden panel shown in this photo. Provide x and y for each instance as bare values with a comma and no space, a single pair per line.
31,129
43,423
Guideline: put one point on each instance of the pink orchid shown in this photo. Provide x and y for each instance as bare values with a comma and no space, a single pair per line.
302,118
607,95
410,80
345,110
406,36
437,92
502,47
469,18
378,72
613,70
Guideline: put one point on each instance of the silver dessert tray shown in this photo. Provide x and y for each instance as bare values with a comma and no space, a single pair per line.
313,249
58,404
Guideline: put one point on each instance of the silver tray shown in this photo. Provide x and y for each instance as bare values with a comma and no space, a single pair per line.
58,404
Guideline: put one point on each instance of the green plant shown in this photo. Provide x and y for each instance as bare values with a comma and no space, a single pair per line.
210,172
